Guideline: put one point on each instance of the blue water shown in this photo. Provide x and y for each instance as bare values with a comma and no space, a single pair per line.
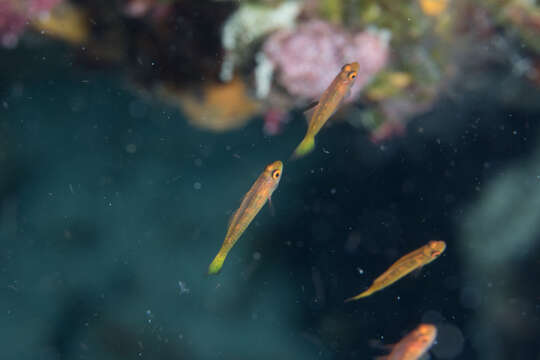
112,207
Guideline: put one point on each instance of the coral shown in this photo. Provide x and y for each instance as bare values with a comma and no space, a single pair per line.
274,119
263,75
157,9
248,24
331,10
12,24
388,84
221,107
433,7
525,17
65,21
309,57
16,14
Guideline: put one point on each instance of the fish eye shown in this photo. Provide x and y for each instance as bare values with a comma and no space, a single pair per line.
352,75
433,245
276,174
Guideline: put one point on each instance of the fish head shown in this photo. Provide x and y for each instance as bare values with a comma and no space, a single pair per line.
435,248
424,336
349,72
273,173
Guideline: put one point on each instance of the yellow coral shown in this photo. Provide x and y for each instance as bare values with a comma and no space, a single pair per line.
65,21
221,107
433,7
388,84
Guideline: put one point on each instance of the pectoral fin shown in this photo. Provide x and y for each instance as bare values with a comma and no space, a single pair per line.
272,211
311,106
310,109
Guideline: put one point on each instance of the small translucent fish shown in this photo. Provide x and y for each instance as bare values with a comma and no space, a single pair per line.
414,345
327,105
406,264
253,201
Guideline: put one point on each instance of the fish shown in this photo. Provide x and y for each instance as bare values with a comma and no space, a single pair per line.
403,266
327,105
413,345
251,204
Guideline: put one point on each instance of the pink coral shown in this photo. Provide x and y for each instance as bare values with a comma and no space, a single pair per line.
15,15
157,10
274,119
309,57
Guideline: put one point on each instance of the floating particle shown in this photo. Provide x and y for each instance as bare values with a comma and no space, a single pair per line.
183,288
131,148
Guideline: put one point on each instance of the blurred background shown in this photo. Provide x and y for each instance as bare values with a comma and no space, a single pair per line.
131,129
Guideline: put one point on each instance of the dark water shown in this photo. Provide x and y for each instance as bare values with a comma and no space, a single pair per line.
112,207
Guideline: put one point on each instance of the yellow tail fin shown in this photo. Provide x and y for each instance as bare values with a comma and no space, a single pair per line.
361,295
217,263
305,147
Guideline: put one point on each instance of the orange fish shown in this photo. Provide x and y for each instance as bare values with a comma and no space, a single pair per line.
253,201
403,266
414,345
327,105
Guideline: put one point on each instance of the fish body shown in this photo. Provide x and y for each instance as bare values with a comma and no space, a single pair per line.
329,102
251,204
404,266
413,345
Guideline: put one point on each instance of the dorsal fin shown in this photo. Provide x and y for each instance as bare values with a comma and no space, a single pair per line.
311,106
231,218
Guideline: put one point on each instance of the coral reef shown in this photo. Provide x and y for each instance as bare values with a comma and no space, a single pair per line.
248,24
139,8
433,7
67,22
308,57
221,107
286,52
16,14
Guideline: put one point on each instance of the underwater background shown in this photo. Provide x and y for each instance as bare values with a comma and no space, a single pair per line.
124,150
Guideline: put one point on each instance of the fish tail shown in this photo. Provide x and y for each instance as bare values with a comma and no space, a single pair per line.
361,295
305,147
217,263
